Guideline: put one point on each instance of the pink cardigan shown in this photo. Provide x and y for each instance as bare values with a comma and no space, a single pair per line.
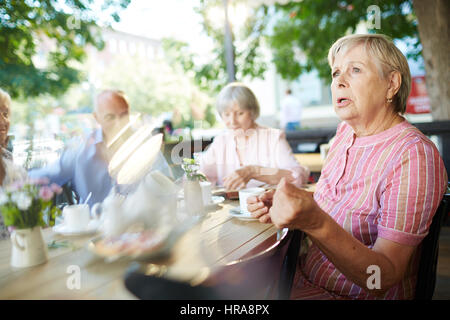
266,147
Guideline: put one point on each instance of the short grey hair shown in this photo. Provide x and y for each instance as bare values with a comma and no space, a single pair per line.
239,93
5,98
387,57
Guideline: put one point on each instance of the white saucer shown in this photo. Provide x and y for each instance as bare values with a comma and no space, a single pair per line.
236,212
215,200
66,231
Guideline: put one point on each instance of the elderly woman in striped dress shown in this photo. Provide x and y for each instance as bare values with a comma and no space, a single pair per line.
379,189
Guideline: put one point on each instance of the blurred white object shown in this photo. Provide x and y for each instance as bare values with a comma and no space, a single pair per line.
206,192
135,157
151,205
111,214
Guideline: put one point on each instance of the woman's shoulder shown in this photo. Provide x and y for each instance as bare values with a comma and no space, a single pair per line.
220,139
222,136
272,132
410,143
411,136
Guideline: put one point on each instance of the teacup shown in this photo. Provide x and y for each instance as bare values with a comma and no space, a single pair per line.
245,194
206,192
76,217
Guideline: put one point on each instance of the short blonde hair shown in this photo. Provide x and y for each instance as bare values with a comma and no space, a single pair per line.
387,56
239,93
5,98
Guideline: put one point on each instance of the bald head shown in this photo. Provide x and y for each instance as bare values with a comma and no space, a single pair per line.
111,112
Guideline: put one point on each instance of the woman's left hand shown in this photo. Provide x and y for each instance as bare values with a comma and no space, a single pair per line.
239,178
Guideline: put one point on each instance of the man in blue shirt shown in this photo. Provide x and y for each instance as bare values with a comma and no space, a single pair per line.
85,161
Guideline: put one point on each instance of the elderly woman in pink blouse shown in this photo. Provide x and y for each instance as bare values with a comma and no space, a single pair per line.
379,188
247,154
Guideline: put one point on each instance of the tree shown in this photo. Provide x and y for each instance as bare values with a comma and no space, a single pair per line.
155,87
434,30
211,75
65,26
304,31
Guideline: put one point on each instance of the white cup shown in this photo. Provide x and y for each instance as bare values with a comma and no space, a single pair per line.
244,194
76,217
206,192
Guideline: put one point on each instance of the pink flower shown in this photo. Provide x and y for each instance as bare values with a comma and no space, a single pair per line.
55,188
45,193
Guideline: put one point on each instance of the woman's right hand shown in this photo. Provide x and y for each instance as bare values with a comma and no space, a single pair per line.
259,206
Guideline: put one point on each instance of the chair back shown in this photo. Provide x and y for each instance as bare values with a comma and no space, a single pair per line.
426,276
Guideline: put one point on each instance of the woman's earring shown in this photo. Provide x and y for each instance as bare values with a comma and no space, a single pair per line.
389,100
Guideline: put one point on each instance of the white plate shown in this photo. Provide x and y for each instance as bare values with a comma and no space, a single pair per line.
236,212
163,250
64,230
215,200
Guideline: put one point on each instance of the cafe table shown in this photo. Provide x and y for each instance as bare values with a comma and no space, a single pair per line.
214,241
313,161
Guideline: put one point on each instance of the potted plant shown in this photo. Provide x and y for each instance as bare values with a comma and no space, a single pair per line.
26,207
193,199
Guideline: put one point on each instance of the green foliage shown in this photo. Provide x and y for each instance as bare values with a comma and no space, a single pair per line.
64,27
154,87
191,167
311,26
211,75
298,33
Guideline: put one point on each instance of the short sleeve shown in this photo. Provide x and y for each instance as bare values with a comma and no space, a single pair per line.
413,190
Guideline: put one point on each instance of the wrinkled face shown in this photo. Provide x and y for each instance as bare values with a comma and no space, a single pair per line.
112,114
4,124
236,118
358,90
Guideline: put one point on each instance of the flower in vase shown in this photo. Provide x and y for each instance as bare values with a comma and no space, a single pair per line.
26,204
191,167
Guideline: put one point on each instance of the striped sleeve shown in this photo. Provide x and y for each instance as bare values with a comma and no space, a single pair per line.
414,188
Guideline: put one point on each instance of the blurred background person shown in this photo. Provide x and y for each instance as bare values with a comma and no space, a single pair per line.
247,154
291,112
8,171
85,161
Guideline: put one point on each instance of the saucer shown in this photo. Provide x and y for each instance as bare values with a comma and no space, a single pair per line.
215,200
236,212
66,231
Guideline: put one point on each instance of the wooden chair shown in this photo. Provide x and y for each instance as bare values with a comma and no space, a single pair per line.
261,274
426,277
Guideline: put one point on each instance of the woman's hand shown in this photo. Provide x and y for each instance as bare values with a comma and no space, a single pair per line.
294,208
239,178
259,206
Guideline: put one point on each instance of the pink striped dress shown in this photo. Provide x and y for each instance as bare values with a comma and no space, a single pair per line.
387,185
